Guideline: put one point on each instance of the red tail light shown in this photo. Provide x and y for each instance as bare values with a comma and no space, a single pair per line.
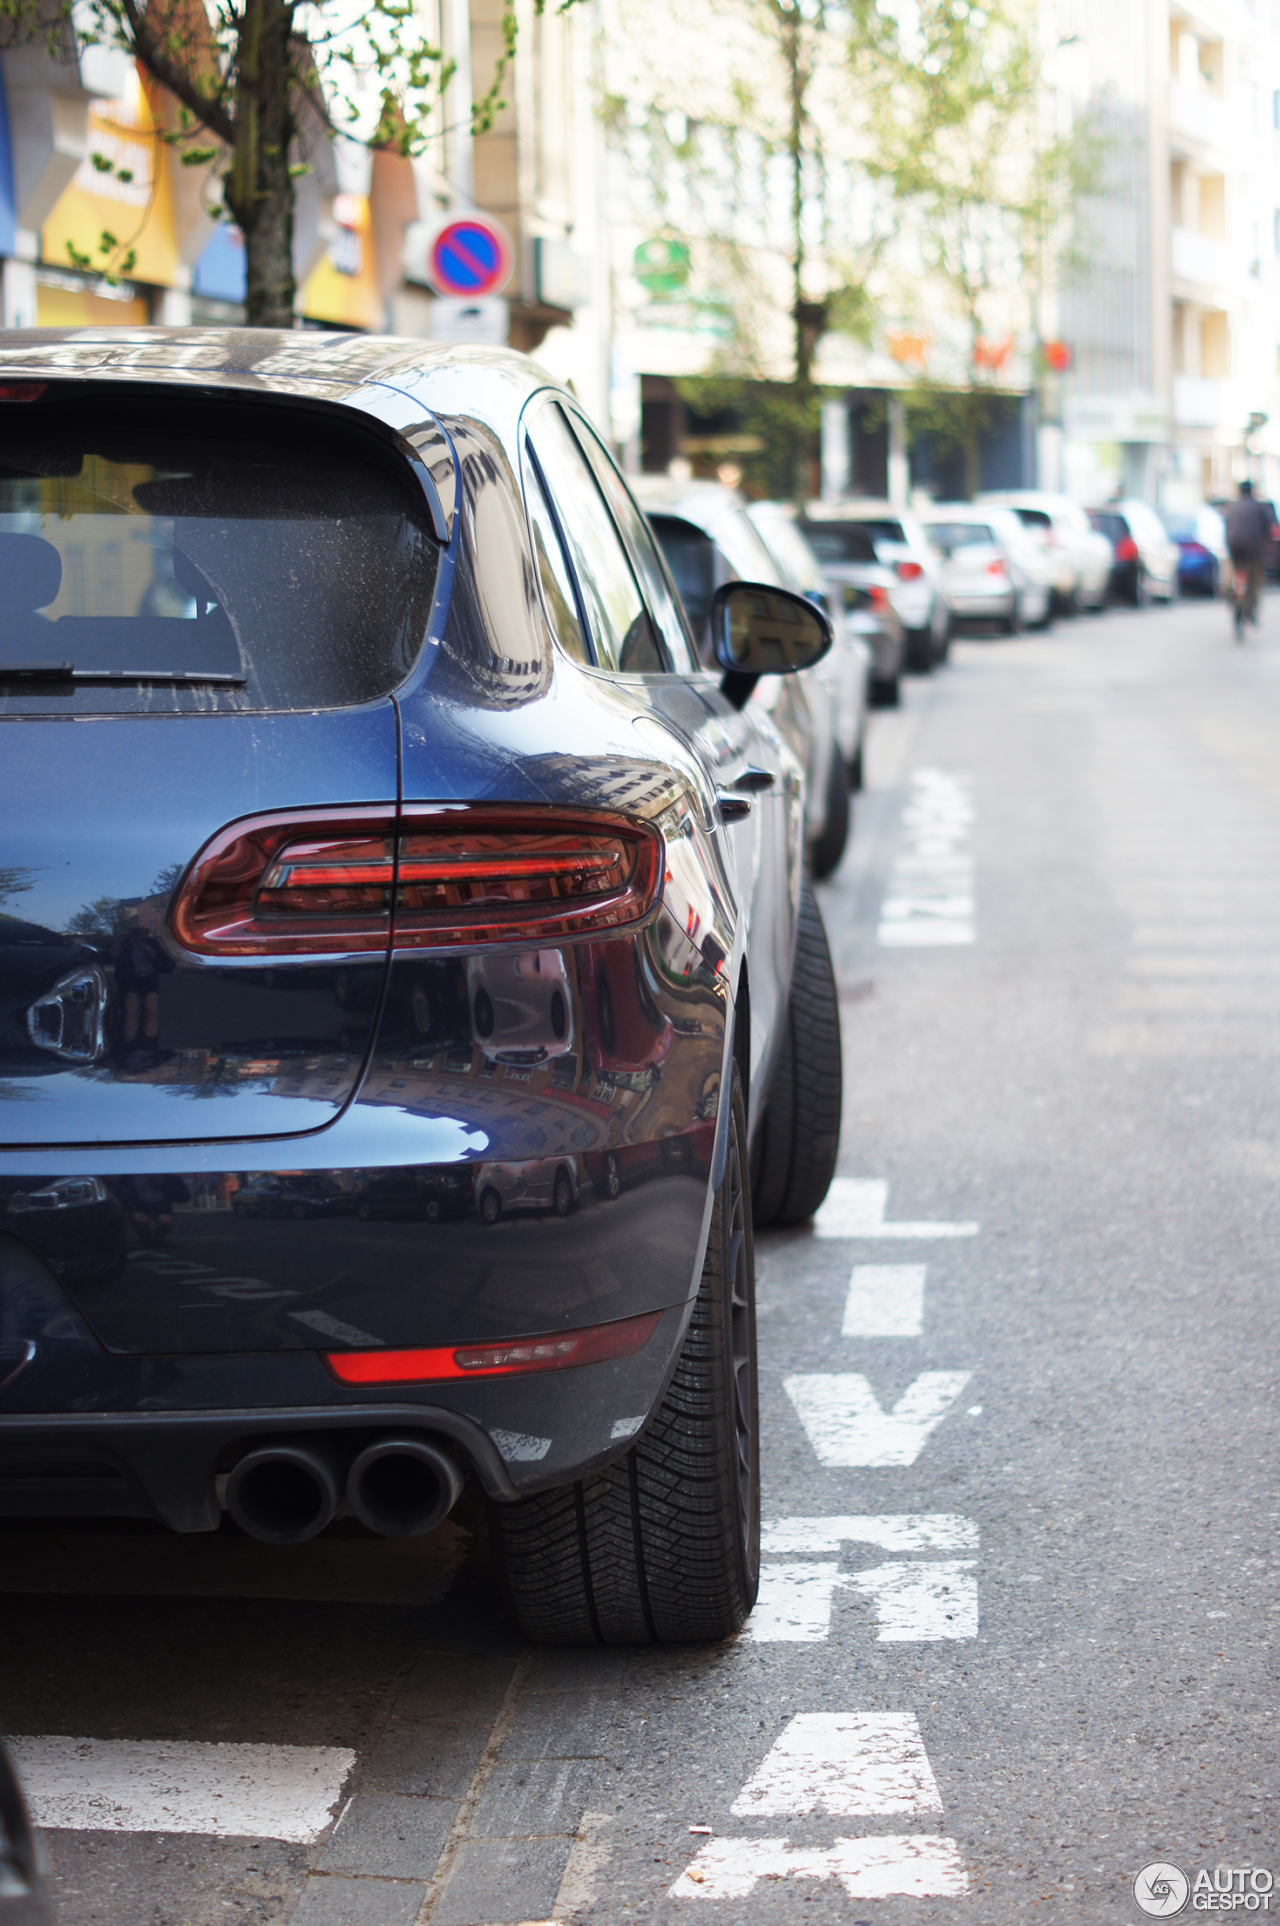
879,598
997,567
487,875
334,879
1126,549
514,1358
907,571
22,390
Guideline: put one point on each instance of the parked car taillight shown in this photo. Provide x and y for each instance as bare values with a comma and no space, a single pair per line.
1126,549
908,571
879,598
997,567
489,875
332,881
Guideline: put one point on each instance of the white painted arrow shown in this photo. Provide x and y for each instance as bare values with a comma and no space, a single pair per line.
842,1763
855,1207
885,1300
847,1425
921,1602
925,1865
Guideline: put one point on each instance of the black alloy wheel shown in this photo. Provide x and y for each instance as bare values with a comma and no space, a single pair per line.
663,1545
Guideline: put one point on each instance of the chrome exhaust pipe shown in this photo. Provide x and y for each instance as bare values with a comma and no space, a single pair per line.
284,1493
403,1487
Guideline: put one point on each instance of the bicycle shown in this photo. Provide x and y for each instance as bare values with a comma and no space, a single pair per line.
1242,594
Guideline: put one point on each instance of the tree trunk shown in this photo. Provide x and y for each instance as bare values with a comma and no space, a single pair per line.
259,186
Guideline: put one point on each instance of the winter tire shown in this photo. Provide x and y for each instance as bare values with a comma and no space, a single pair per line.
664,1545
794,1156
885,692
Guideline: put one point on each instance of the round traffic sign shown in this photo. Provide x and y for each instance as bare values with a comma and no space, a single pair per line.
470,257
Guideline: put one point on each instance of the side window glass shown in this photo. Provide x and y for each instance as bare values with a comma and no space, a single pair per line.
691,556
559,598
639,536
622,630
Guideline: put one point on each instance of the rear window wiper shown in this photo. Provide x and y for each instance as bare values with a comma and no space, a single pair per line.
67,672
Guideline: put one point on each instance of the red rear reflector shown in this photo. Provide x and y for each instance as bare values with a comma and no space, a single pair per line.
328,881
908,571
1126,549
21,390
489,875
516,1357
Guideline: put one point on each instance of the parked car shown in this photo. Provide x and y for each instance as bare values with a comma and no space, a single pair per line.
415,1195
1201,542
25,1899
1081,560
297,1197
539,1183
916,589
1145,561
994,570
707,540
865,587
387,676
850,660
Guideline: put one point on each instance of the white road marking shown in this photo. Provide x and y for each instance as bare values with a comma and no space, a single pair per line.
924,1865
794,1604
855,1207
930,904
847,1426
921,1602
179,1785
920,1531
870,1763
885,1300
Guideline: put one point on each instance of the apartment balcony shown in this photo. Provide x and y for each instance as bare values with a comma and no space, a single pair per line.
1200,116
1200,260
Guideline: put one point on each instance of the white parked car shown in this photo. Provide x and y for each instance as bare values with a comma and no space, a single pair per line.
917,592
994,569
1081,558
707,539
849,662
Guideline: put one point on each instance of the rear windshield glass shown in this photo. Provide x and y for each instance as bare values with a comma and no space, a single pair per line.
1034,517
841,541
151,538
1113,526
952,535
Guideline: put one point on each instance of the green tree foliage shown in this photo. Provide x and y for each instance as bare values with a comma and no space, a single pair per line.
987,197
259,82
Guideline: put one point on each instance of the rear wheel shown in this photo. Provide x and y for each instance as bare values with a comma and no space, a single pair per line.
664,1545
830,846
799,1136
490,1206
562,1194
920,651
884,692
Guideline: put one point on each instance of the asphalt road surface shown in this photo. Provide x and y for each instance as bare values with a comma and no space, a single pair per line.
1017,1625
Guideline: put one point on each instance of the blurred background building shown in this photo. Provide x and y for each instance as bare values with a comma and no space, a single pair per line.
650,230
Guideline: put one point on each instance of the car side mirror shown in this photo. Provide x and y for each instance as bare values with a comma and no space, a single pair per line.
759,630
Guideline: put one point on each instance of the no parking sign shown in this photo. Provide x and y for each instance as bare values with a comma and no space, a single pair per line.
470,256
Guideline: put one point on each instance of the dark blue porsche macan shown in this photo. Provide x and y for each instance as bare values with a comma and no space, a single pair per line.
408,978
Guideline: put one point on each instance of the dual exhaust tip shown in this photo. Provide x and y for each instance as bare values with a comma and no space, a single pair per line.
399,1487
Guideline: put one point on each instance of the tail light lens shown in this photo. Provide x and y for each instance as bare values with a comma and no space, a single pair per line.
288,885
908,571
344,880
488,875
879,599
1126,549
515,1358
997,567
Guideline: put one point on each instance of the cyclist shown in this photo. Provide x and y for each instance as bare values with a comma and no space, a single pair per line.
1248,527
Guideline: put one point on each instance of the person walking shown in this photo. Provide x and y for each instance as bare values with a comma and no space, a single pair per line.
1248,527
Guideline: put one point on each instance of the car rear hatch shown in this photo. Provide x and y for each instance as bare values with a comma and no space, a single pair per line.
205,605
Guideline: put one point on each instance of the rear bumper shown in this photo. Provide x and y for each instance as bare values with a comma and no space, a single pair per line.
166,1457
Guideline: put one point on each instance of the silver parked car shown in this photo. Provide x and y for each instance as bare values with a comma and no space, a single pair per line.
916,589
1082,561
708,539
995,570
864,586
848,665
